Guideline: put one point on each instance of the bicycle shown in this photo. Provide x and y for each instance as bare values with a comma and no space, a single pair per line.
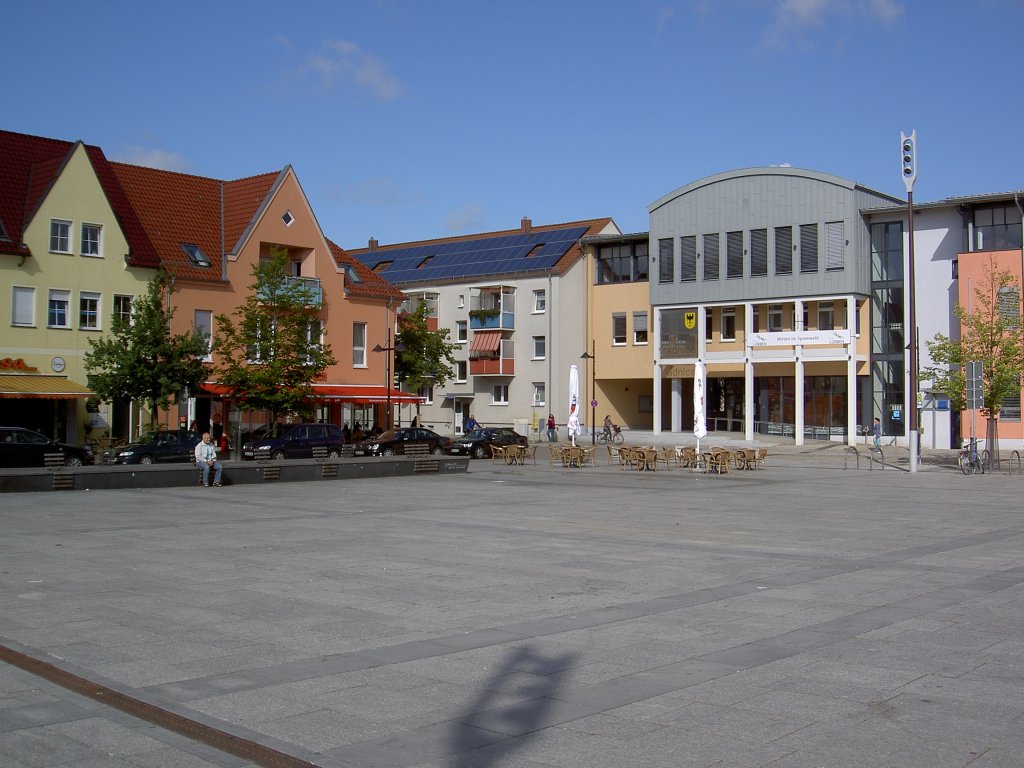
971,461
612,435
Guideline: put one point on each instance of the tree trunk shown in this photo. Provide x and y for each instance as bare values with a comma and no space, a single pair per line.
992,440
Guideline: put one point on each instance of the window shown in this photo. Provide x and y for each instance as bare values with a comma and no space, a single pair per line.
711,257
808,247
666,261
688,259
887,251
462,300
997,228
427,393
203,324
758,252
835,246
540,301
314,338
359,345
91,239
619,328
57,314
88,311
195,255
624,263
461,331
461,371
539,347
734,254
728,324
783,250
500,395
755,318
262,346
639,327
709,324
1009,409
60,236
122,309
23,306
774,318
804,324
826,315
539,393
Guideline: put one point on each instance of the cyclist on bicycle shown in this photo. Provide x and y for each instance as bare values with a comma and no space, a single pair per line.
608,427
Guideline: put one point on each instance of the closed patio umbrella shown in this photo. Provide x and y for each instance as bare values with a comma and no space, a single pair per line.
700,427
573,423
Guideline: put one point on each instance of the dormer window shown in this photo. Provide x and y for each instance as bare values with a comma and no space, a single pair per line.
196,255
352,275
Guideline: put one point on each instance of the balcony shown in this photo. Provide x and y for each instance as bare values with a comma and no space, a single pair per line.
493,309
491,320
310,284
492,366
491,355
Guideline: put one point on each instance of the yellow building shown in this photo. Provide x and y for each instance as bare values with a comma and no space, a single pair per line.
71,255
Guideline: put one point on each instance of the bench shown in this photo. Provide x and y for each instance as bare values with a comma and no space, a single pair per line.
62,480
424,462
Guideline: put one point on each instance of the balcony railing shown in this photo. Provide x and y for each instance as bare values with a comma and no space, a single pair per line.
496,366
484,320
312,286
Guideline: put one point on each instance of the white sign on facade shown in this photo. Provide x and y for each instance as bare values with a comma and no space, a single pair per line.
789,338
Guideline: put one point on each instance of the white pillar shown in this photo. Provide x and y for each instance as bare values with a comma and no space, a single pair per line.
748,400
677,405
851,371
798,397
657,399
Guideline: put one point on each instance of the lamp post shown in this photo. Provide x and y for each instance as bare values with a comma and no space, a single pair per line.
390,350
592,357
908,148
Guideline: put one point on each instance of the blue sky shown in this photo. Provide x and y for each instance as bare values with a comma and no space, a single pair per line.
414,120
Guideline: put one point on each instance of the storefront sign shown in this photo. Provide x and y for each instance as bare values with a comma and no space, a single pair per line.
790,338
15,364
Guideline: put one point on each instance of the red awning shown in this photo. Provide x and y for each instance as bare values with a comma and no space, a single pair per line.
346,393
485,341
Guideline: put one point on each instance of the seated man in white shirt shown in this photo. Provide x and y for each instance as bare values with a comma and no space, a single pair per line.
206,457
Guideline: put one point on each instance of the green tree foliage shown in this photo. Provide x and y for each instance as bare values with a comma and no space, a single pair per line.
141,359
270,349
427,357
990,333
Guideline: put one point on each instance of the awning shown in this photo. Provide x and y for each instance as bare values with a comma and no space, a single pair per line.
42,387
345,393
459,396
485,341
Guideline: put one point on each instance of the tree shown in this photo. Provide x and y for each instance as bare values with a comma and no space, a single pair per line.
270,349
990,333
141,359
427,357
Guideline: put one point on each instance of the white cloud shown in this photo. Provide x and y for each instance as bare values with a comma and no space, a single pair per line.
465,218
794,17
153,158
344,61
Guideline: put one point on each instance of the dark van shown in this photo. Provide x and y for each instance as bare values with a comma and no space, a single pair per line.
296,441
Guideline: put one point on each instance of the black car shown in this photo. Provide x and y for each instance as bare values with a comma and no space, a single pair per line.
394,442
478,442
25,448
156,446
296,441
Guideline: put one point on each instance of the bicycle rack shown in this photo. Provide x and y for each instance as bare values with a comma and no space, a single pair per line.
871,458
1013,463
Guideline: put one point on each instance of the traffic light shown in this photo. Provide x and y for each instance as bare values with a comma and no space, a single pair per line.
908,151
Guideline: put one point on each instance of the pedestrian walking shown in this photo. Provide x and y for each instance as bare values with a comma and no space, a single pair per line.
552,429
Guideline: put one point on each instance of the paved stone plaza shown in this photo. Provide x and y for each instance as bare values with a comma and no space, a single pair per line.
798,617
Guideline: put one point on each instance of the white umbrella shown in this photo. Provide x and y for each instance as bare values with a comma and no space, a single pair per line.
700,427
573,424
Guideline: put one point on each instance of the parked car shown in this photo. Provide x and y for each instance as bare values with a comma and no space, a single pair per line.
478,442
395,441
25,448
156,446
296,441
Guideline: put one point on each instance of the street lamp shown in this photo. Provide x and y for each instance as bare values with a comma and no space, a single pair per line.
387,373
908,154
592,357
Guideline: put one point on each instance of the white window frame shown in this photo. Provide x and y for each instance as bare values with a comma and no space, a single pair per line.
539,393
827,312
619,341
95,312
499,394
461,371
776,318
462,300
60,234
202,320
427,393
724,313
119,310
23,306
359,345
540,301
63,297
461,331
637,330
540,347
98,253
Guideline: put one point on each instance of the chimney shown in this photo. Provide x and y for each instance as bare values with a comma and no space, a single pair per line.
373,244
525,225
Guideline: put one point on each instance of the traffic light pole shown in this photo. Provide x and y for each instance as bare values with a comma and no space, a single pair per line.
908,146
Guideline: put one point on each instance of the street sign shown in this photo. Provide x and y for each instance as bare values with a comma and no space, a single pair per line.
593,403
975,374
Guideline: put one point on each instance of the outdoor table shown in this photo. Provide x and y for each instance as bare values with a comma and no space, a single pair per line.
514,454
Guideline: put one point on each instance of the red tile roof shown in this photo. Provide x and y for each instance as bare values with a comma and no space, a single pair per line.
28,167
369,284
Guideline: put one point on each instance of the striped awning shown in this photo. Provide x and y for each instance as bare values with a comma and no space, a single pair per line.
42,387
485,341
